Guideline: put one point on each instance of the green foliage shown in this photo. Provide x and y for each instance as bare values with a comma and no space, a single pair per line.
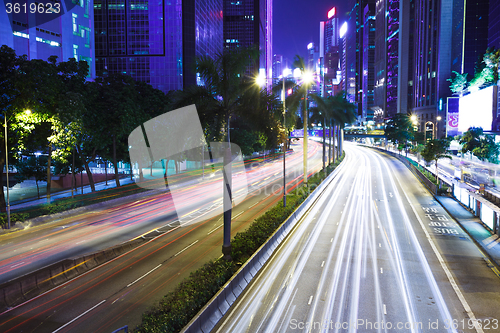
480,145
399,129
434,150
458,84
179,306
486,74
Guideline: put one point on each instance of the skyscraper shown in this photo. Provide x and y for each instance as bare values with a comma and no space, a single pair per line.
329,52
249,23
494,24
66,32
354,53
393,59
368,49
450,35
156,42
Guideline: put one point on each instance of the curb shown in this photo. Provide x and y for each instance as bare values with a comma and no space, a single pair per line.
479,244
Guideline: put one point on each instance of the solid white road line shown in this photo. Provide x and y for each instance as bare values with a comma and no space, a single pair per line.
187,247
144,275
83,314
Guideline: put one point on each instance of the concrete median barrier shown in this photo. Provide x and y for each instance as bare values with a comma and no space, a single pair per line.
216,308
26,287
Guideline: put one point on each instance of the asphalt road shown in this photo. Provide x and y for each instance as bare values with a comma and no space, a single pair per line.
376,253
117,293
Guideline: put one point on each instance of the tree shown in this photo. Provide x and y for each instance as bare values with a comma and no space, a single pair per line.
470,140
458,83
399,129
435,150
488,149
34,166
112,114
334,110
221,98
480,145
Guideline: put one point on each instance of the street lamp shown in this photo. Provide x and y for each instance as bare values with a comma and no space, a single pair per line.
7,170
261,81
438,118
307,78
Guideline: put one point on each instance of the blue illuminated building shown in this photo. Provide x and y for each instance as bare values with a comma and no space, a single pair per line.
249,23
68,34
156,42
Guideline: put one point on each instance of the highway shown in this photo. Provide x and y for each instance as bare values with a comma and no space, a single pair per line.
117,293
376,253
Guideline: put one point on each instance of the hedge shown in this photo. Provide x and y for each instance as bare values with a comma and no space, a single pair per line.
178,307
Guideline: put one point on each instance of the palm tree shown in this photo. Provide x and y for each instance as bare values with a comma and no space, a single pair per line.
338,111
221,97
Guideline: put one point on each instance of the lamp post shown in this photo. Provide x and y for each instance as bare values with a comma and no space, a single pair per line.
261,80
7,171
307,78
438,118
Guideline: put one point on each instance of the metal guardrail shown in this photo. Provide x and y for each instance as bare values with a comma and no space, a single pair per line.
124,329
216,308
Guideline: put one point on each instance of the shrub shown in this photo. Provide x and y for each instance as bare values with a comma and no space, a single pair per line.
179,306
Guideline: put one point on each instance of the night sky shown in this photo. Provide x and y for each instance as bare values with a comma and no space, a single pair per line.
296,24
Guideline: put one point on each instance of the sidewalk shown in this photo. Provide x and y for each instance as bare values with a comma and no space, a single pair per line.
472,225
24,195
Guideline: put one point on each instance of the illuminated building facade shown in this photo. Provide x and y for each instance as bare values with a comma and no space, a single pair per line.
393,57
329,53
368,82
494,24
445,43
249,23
156,42
354,53
67,34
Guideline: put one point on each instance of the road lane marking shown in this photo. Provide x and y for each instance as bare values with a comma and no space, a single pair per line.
144,275
238,215
215,229
83,314
310,300
450,277
187,247
254,204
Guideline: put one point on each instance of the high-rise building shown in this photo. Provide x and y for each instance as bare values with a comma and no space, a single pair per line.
393,57
249,23
156,42
494,24
66,32
278,65
329,53
354,52
368,81
450,35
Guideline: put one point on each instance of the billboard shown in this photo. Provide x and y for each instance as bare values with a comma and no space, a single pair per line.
452,113
476,110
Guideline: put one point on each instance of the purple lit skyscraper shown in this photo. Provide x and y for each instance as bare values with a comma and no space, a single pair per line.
156,41
249,23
